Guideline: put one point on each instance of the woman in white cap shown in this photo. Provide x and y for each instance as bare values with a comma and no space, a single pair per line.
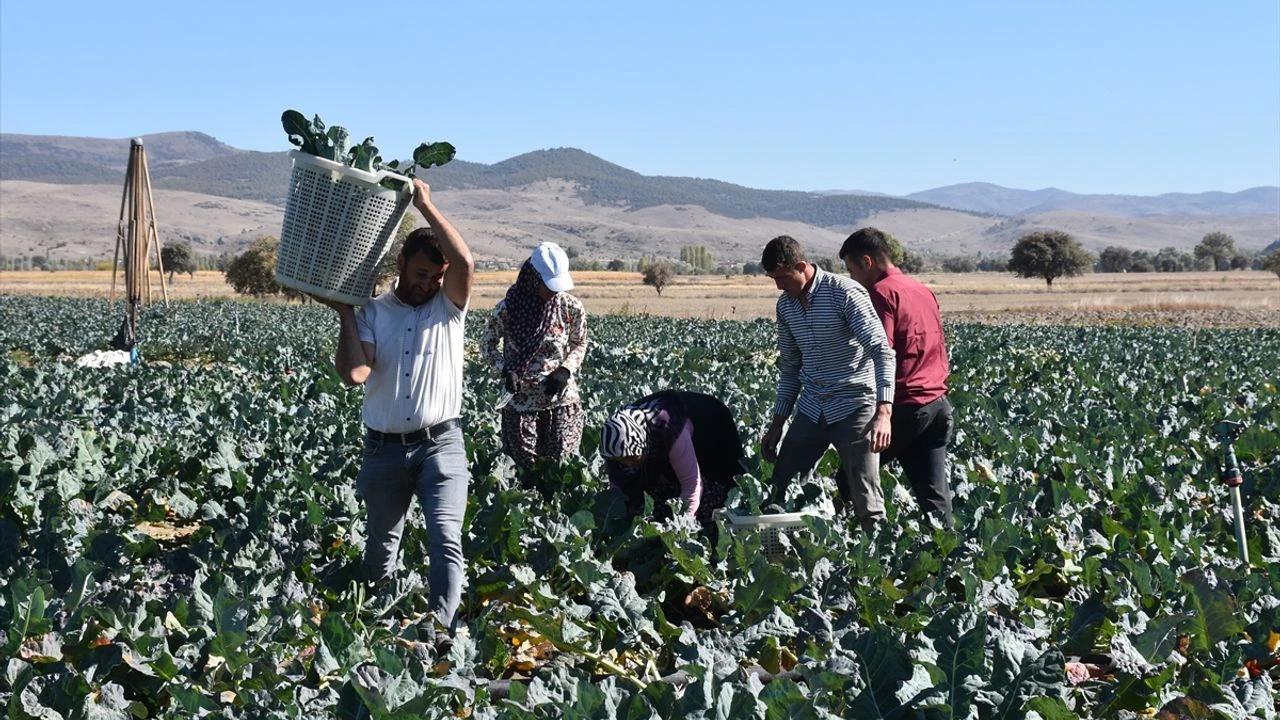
673,444
536,339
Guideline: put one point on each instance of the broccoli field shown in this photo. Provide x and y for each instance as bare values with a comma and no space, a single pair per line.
179,538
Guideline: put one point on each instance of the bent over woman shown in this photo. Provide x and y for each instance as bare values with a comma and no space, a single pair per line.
673,444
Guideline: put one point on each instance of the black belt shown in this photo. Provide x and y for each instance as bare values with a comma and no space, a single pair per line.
417,436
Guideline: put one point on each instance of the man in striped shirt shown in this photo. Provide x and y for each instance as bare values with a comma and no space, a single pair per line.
836,366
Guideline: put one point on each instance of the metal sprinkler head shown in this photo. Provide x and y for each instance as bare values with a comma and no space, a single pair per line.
1229,475
1228,430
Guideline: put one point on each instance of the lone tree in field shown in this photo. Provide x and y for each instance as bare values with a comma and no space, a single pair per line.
658,274
253,272
178,258
1049,254
1271,261
1218,247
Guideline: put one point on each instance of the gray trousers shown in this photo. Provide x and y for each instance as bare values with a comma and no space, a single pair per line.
807,440
435,470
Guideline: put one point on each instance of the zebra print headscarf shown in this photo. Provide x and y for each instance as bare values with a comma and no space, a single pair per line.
626,433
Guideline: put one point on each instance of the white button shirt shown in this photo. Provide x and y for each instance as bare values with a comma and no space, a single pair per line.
416,379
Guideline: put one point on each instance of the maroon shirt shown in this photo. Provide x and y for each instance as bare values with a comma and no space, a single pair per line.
913,323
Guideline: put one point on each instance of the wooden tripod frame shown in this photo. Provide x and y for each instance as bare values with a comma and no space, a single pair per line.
135,235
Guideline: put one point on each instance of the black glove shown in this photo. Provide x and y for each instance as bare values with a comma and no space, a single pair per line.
556,381
511,381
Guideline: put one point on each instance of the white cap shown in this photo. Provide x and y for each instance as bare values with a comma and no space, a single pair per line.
552,266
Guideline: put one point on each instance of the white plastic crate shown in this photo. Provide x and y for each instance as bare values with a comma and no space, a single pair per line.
770,527
338,224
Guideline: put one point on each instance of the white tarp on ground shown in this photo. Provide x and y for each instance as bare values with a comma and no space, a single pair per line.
103,358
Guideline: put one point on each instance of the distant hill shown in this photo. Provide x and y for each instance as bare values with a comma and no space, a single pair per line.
60,196
988,198
51,156
198,163
245,175
602,183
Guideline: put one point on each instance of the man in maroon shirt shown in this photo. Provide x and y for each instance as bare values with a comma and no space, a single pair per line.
922,418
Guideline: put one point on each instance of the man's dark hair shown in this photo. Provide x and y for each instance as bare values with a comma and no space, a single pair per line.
422,240
867,241
782,251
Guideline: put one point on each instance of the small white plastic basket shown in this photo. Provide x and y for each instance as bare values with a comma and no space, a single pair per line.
770,527
338,223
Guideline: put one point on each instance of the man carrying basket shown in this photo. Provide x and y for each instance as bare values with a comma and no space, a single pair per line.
406,348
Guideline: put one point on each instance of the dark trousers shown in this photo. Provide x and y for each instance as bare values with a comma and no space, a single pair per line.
920,437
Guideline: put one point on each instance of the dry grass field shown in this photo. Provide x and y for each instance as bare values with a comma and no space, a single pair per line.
1211,298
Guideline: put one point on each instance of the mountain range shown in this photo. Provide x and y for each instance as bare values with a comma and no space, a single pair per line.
985,197
57,195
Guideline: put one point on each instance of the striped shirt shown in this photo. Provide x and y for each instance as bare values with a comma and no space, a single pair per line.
833,357
416,379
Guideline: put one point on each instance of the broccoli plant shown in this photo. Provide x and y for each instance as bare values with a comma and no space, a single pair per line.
334,143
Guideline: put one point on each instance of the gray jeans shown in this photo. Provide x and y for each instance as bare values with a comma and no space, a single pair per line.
435,470
807,440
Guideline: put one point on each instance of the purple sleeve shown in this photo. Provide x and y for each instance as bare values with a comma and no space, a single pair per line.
685,463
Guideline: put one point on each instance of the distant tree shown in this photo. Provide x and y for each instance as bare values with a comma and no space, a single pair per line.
387,268
571,252
911,263
959,264
253,272
1115,259
1172,259
827,264
1049,254
706,260
698,257
752,268
1142,262
897,254
1271,261
1218,247
617,265
1241,261
658,274
178,258
998,263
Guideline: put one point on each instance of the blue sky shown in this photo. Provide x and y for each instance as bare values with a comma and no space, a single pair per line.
1117,97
